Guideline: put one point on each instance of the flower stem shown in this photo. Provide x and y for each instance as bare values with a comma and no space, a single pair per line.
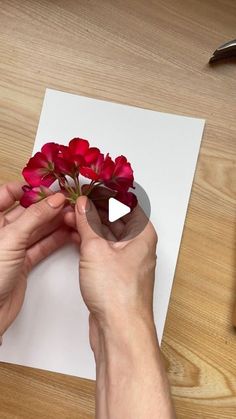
77,185
92,186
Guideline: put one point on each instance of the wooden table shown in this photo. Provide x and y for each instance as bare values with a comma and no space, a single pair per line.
151,54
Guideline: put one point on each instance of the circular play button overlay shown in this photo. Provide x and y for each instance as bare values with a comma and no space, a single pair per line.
117,209
121,216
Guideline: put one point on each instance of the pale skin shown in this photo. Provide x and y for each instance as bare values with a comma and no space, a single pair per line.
116,282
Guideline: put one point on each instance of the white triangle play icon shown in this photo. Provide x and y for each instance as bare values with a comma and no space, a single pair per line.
117,210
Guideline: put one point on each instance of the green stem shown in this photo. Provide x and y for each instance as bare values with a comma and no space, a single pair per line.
77,185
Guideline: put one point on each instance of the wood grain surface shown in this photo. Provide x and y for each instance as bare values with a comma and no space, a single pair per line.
153,54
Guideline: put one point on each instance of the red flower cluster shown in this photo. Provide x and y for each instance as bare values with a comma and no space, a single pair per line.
65,164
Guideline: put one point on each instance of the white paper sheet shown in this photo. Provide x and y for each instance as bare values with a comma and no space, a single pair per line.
51,331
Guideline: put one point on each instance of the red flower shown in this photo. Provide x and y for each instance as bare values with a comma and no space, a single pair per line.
56,162
33,195
122,177
40,169
78,153
99,170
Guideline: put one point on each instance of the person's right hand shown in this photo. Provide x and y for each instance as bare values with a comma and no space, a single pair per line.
116,280
116,277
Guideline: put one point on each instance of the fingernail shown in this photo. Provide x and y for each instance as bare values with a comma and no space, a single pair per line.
83,207
56,201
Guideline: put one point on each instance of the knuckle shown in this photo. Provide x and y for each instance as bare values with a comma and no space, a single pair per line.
11,237
154,236
82,222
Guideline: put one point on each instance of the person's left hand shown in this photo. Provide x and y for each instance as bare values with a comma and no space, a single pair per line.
26,237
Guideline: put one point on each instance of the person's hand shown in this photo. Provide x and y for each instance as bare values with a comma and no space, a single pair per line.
116,277
116,274
26,237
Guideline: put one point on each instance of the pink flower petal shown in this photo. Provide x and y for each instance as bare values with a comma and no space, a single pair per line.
89,173
78,146
91,155
50,150
33,195
38,160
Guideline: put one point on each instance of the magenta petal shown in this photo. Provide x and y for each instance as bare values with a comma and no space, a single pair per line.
78,146
31,196
50,150
48,179
89,173
124,171
37,177
107,168
64,152
38,160
91,155
78,160
122,177
123,168
33,176
62,166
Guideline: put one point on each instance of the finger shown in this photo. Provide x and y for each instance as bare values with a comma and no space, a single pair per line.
70,219
85,209
116,227
45,247
46,229
100,197
10,193
75,237
37,215
14,213
133,221
107,233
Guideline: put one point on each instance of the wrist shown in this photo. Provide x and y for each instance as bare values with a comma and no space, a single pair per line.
126,337
122,324
130,368
130,335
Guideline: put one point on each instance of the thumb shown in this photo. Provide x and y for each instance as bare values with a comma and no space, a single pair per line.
37,215
88,222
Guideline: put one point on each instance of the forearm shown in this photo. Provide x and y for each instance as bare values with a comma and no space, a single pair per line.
131,381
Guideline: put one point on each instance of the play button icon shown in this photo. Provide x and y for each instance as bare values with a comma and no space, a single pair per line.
116,210
113,211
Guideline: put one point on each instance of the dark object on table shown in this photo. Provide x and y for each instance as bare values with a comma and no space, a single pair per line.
227,50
